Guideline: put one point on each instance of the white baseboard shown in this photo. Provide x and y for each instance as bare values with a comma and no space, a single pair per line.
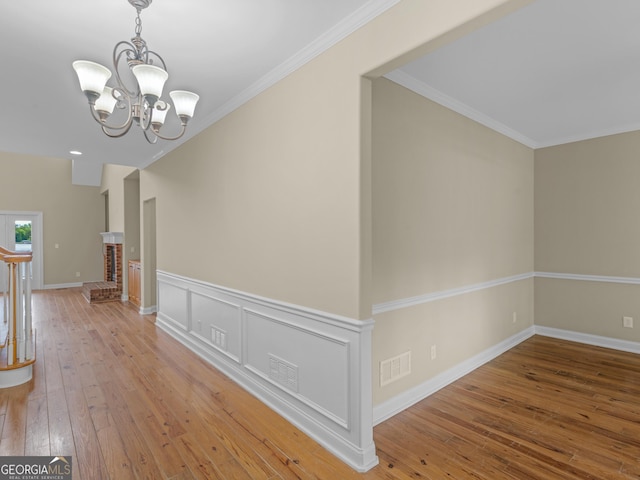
148,310
410,397
57,286
586,338
313,368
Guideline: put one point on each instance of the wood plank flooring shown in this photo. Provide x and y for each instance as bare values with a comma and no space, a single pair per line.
128,402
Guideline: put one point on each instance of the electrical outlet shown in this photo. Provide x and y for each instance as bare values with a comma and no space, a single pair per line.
515,317
434,352
627,322
77,274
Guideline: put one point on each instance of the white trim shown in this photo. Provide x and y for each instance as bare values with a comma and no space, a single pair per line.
452,292
112,237
589,136
56,286
334,403
589,278
344,322
412,396
586,338
346,27
148,310
338,32
427,91
421,88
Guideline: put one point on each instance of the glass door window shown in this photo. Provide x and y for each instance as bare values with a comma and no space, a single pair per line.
22,233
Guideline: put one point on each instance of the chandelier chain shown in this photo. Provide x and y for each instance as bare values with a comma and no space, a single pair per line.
138,24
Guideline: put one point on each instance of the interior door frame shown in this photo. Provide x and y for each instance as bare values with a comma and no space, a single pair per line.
37,246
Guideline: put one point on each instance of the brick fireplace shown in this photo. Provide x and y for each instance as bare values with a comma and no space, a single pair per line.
110,289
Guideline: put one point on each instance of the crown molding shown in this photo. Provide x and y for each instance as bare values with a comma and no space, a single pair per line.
589,136
341,30
427,91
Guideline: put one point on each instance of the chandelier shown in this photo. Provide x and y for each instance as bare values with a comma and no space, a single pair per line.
142,102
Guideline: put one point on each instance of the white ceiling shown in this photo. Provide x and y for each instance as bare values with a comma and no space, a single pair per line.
225,50
552,72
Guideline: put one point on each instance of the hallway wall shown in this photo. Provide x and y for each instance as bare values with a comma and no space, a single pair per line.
452,209
587,236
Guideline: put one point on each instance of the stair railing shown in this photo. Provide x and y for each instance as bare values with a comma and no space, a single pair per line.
19,340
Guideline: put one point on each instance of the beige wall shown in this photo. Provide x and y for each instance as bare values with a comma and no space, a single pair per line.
452,207
586,217
132,219
587,204
73,215
273,193
123,185
113,182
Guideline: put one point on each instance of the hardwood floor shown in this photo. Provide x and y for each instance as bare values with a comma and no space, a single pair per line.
127,401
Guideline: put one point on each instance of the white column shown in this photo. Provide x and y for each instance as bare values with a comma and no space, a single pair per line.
28,328
11,344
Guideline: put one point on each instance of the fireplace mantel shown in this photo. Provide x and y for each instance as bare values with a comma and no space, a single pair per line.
112,237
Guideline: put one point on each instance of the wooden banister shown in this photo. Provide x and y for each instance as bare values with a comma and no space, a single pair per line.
17,340
9,256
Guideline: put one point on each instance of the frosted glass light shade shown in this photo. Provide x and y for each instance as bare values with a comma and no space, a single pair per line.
160,112
185,102
92,76
106,102
151,79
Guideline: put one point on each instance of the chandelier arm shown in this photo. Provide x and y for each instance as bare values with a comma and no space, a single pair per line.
129,49
152,140
124,102
145,117
105,130
94,114
157,55
126,125
182,131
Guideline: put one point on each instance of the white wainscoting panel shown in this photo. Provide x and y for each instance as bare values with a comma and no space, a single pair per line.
173,302
217,322
322,382
312,367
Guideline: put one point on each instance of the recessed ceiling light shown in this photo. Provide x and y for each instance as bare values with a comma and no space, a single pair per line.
75,152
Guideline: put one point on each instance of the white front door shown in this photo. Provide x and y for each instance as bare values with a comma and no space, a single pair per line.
22,232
